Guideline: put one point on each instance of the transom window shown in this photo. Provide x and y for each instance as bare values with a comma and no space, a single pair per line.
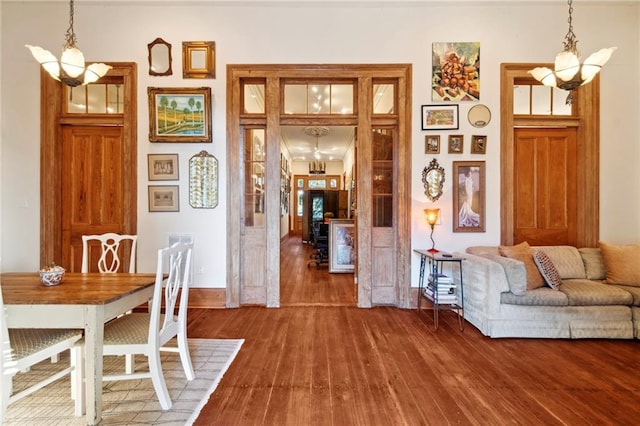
95,98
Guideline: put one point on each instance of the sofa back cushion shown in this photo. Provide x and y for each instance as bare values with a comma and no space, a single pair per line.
523,253
483,250
515,272
593,263
567,261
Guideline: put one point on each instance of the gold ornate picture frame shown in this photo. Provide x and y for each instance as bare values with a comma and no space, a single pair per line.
179,114
198,59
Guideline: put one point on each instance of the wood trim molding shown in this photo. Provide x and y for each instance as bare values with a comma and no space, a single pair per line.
209,298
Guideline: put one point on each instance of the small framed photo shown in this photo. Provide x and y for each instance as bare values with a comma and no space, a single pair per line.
164,198
163,166
432,144
469,196
478,144
456,144
440,117
342,250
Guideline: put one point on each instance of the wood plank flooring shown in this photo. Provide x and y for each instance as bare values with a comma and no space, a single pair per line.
341,365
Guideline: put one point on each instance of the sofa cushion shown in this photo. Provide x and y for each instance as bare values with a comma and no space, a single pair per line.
547,269
515,271
483,250
543,296
592,293
593,263
622,263
634,291
567,261
523,253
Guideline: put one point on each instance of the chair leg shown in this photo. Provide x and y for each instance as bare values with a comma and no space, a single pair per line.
129,362
77,380
185,356
157,377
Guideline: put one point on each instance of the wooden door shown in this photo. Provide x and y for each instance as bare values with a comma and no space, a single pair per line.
545,186
88,167
92,188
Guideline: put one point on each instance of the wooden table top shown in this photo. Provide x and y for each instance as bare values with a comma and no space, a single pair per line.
24,288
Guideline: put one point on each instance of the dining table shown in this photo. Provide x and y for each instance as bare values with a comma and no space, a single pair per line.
82,300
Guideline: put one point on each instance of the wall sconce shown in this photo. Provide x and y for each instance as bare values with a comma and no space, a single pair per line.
432,217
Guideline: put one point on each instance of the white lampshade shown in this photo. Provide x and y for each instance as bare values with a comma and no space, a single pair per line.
594,62
95,71
48,61
72,61
544,75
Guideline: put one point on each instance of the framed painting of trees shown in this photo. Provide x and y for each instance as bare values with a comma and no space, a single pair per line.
179,114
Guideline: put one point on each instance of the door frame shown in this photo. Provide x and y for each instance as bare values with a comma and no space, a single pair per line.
364,74
587,121
52,120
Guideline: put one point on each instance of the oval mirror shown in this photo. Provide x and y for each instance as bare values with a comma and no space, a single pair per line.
479,115
433,180
159,57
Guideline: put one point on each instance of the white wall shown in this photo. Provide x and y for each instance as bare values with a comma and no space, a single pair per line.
312,32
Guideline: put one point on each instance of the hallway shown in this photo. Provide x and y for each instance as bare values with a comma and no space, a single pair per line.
302,285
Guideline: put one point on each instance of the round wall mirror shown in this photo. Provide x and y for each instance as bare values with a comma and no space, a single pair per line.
433,180
479,115
159,57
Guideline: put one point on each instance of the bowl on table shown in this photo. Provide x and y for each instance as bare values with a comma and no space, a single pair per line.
51,276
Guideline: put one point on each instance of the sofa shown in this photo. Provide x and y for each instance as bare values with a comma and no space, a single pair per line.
596,293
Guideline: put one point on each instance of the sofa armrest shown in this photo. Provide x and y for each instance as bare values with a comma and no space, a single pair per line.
484,281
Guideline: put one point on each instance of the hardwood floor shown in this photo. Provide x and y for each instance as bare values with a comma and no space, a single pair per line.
341,365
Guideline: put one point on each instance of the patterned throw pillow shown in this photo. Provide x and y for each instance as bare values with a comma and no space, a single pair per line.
547,269
523,253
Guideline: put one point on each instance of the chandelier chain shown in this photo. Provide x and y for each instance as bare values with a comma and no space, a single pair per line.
70,37
570,42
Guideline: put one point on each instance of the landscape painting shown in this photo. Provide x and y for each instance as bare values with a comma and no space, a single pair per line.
179,114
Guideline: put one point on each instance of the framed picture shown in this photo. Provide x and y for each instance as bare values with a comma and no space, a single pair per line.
164,198
198,59
440,117
342,251
163,166
179,114
478,144
456,144
432,144
456,71
468,196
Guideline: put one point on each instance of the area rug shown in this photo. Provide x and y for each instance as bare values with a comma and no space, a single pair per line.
130,402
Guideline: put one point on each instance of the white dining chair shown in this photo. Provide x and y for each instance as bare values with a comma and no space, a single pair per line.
147,333
109,260
22,348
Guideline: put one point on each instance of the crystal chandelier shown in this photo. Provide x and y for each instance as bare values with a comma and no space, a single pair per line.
71,68
568,74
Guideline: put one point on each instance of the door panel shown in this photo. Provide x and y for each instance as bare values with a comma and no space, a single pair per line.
545,186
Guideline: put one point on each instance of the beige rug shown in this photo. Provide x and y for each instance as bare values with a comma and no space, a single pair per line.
131,402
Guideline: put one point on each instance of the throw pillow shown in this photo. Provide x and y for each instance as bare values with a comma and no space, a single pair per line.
547,269
593,263
523,253
621,262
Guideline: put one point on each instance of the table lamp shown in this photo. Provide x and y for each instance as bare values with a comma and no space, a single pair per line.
432,217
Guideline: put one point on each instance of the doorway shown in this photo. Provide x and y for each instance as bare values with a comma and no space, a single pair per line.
382,220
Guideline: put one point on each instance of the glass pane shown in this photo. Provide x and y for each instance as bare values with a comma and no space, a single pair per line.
115,101
382,145
382,179
540,100
341,99
560,106
300,183
97,95
333,183
300,203
318,100
317,207
317,183
521,100
254,98
254,179
77,100
383,98
382,211
295,99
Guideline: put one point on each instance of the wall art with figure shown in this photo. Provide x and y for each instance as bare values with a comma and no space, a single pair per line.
469,196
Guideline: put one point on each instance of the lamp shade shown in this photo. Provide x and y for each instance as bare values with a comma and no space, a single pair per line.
431,215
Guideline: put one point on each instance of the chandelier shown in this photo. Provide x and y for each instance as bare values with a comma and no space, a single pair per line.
71,68
317,167
568,74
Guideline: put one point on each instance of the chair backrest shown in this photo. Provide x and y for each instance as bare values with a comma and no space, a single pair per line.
6,363
175,263
109,245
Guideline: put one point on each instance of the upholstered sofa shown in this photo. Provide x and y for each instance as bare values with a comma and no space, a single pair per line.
588,302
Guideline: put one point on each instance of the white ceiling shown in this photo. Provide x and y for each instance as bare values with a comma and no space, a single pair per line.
332,147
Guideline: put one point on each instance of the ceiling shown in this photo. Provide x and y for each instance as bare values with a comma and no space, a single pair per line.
332,147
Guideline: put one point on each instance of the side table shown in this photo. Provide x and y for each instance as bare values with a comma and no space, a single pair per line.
436,260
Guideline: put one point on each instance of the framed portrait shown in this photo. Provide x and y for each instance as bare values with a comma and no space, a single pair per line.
440,117
469,196
163,166
478,144
342,250
179,114
432,144
198,59
164,198
456,144
456,71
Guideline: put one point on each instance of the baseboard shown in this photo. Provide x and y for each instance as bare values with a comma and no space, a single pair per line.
211,298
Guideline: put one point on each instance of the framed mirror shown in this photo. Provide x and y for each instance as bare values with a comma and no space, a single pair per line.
479,115
159,57
203,181
433,180
198,59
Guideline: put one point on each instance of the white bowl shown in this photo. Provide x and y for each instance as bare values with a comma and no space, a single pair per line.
51,278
